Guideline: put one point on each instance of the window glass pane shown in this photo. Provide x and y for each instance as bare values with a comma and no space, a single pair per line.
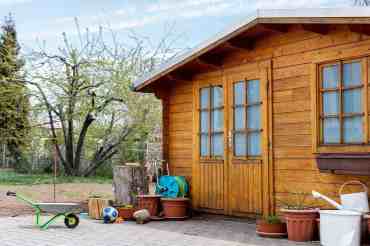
254,143
331,102
330,76
239,93
217,120
254,117
352,74
204,148
217,145
239,118
217,96
331,130
204,121
240,144
352,101
204,98
253,94
352,130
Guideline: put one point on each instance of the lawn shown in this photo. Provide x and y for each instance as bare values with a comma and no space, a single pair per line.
9,177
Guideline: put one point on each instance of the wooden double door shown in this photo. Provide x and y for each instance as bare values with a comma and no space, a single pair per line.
232,172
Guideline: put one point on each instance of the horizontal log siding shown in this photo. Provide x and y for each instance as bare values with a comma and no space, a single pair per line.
292,54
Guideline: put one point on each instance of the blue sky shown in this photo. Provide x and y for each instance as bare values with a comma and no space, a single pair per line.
194,20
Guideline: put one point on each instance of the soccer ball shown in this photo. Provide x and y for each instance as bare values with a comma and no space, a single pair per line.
110,214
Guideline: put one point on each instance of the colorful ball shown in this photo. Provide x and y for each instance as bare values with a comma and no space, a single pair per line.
110,214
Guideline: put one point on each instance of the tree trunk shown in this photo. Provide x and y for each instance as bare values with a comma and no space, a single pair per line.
129,181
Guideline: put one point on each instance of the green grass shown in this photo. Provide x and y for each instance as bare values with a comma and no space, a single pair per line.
12,178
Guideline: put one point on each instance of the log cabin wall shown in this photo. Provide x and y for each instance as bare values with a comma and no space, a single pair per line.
291,54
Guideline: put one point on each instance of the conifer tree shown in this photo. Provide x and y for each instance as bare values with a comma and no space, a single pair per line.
14,102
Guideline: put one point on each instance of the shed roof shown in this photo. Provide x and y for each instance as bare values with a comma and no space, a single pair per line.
354,15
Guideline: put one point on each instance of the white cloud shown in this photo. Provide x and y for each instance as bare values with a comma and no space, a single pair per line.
134,16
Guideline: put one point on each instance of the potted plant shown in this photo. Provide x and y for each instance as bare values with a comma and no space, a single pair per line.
271,226
300,217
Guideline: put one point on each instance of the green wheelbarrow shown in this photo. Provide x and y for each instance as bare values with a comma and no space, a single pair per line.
66,210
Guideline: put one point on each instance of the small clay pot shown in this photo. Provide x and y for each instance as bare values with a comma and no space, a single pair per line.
175,208
301,224
265,229
126,213
149,202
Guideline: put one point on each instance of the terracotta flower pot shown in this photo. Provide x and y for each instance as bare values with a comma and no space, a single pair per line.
175,208
126,213
301,224
149,202
266,229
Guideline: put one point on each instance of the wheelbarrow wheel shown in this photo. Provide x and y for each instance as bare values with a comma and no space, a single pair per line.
71,220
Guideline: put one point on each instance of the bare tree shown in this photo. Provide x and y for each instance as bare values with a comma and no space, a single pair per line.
362,2
90,83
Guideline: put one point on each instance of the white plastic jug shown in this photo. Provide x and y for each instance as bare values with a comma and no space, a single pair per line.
340,228
357,201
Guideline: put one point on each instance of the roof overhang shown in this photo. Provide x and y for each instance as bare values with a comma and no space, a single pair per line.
356,15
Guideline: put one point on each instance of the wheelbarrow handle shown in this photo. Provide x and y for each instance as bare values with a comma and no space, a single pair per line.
11,193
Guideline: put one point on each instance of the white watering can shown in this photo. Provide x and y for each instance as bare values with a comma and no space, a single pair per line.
357,201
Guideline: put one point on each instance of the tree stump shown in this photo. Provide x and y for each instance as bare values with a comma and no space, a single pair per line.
128,181
96,206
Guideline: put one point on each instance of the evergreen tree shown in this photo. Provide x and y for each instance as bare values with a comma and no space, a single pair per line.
14,102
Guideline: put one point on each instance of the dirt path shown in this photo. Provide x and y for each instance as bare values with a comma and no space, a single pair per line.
74,192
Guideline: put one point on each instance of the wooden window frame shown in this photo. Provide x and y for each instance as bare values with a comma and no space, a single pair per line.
210,132
316,96
246,131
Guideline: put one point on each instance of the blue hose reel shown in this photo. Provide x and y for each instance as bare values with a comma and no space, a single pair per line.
172,186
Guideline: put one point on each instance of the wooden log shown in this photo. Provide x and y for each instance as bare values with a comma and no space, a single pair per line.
96,206
129,180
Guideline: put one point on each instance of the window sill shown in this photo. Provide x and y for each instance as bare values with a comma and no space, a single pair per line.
343,148
344,163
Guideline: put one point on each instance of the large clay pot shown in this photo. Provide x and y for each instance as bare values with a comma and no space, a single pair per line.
265,229
149,202
301,224
175,208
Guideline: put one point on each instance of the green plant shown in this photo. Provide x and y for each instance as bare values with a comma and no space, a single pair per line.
297,201
272,219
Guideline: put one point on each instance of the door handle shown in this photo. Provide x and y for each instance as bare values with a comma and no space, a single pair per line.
230,139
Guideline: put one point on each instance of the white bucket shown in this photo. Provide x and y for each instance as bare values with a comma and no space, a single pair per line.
340,228
357,201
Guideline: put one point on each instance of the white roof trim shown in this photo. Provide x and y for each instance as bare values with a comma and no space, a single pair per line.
251,20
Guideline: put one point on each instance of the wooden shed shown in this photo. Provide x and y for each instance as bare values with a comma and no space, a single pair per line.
274,105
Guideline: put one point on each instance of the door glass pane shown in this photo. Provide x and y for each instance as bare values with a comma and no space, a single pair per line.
239,118
330,77
217,145
204,98
253,117
254,143
331,130
253,94
352,130
239,93
352,101
240,144
204,148
330,103
217,97
204,121
217,120
352,74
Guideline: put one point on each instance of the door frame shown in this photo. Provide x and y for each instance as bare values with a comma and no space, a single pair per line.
265,71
